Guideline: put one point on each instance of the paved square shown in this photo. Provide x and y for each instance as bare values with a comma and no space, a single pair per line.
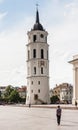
24,118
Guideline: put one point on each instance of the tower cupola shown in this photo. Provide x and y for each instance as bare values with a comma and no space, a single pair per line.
37,25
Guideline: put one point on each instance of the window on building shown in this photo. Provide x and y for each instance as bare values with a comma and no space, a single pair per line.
42,53
34,53
31,82
41,70
34,38
47,55
31,91
55,91
41,35
28,54
34,70
38,90
38,82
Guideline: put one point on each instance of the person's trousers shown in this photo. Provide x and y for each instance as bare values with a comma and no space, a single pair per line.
58,119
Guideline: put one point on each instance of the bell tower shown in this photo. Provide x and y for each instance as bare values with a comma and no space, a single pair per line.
37,65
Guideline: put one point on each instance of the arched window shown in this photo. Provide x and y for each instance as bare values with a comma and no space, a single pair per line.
34,38
39,82
34,70
42,53
41,70
38,90
31,82
34,53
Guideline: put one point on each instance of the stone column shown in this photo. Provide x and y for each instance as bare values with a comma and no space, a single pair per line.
74,85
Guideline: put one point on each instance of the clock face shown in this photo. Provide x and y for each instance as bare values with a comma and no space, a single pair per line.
41,35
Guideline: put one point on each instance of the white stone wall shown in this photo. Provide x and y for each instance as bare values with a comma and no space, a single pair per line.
33,89
38,33
66,94
37,84
75,78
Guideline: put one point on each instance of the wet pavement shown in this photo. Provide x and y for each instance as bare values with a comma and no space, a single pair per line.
24,118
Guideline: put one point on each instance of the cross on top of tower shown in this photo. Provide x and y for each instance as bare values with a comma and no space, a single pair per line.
37,6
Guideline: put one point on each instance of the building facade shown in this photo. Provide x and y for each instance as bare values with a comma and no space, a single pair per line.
2,90
37,65
22,91
75,78
64,92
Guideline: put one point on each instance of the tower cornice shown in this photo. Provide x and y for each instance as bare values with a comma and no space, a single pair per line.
36,42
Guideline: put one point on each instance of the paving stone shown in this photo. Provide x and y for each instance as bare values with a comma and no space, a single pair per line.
25,118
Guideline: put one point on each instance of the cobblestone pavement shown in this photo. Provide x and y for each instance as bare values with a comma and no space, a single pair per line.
24,118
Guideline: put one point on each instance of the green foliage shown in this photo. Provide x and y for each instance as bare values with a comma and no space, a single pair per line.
22,100
54,99
14,97
8,91
0,94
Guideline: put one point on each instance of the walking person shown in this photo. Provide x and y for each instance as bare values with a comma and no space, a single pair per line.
58,114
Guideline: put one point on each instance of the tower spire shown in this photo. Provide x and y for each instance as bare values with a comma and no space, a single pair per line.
37,14
37,25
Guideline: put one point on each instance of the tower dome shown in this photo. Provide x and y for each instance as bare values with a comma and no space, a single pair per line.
37,25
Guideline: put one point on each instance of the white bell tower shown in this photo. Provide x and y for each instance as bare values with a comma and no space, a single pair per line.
37,65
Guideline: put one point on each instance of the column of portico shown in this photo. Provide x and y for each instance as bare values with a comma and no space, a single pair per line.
75,78
74,85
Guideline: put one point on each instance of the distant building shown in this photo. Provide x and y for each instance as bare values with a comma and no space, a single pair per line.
22,91
56,91
64,92
2,90
51,93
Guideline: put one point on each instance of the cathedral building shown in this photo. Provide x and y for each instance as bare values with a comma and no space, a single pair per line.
74,62
37,65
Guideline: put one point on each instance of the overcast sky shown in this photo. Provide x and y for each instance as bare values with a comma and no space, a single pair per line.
58,17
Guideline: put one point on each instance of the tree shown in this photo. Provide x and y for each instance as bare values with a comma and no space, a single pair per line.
54,99
14,97
8,91
0,94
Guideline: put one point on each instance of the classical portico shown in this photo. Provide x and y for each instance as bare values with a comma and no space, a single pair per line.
75,78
